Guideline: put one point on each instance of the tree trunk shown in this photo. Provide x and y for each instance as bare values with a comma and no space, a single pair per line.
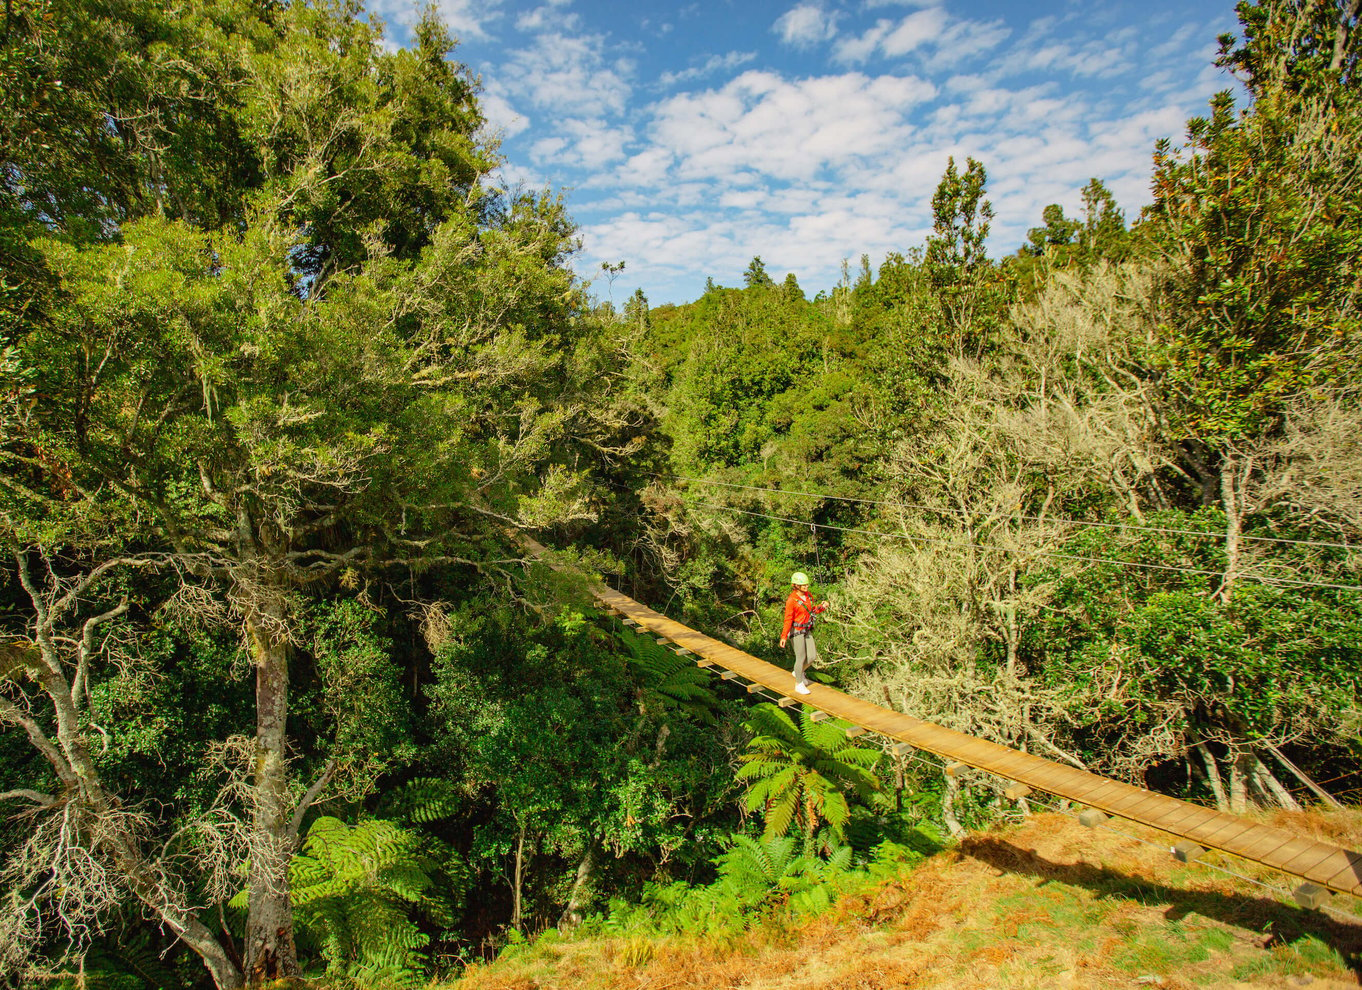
1231,502
1240,770
1344,31
1270,787
948,807
220,966
1300,775
74,766
572,914
1011,630
516,880
1213,777
270,953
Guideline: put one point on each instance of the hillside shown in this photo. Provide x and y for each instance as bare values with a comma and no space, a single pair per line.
1047,904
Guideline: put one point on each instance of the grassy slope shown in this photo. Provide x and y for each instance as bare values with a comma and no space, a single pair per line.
1047,904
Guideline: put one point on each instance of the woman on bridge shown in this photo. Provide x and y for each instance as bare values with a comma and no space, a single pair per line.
800,612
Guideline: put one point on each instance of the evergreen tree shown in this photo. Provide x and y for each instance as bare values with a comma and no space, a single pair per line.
1103,232
755,274
956,259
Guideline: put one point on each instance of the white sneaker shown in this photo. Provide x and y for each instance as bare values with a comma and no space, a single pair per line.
802,688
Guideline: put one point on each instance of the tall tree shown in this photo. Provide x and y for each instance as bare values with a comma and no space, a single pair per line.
373,367
755,274
1103,232
956,258
1259,217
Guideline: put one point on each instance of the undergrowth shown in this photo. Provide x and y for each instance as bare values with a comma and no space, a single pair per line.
1024,909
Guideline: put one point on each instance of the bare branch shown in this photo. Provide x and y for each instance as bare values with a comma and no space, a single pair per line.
10,712
308,800
23,794
80,685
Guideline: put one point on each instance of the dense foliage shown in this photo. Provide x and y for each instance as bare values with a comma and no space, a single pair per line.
283,371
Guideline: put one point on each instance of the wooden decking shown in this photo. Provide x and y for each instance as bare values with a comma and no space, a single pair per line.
1316,862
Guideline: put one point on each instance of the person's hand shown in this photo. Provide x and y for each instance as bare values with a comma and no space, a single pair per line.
823,604
782,642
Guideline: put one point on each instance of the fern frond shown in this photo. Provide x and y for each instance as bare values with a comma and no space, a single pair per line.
673,679
780,813
422,800
835,810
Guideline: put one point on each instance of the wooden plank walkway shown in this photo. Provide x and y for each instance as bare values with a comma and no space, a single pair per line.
1329,866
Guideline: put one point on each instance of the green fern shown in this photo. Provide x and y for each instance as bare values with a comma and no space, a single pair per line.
802,773
355,890
421,800
674,679
757,868
130,961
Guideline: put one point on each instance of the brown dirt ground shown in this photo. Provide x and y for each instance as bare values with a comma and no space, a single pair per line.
1047,904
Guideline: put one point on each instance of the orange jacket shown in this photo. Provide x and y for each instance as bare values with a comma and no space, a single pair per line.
800,608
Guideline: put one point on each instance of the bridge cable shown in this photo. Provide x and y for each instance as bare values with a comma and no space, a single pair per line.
1063,522
1291,582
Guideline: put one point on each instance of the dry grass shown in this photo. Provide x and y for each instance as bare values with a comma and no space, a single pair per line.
1044,905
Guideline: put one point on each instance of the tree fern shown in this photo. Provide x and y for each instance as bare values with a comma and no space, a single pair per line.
421,800
802,773
355,890
674,679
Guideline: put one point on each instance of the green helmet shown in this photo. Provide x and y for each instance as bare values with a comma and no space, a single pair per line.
799,577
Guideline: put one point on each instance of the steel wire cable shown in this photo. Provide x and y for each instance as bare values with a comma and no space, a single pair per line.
1289,582
1057,521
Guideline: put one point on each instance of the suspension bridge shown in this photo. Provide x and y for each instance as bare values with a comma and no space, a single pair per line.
1320,867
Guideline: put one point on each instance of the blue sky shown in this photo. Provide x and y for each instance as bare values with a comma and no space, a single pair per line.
690,136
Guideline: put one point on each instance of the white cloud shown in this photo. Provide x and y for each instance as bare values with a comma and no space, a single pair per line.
762,123
914,30
806,24
950,41
581,143
465,18
569,74
711,65
550,16
502,118
859,48
964,40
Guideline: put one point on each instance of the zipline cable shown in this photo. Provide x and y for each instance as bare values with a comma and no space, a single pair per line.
1038,553
1042,519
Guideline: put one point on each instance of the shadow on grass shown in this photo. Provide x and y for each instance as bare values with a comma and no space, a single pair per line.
1278,924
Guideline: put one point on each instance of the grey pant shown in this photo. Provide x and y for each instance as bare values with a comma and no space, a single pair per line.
805,652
